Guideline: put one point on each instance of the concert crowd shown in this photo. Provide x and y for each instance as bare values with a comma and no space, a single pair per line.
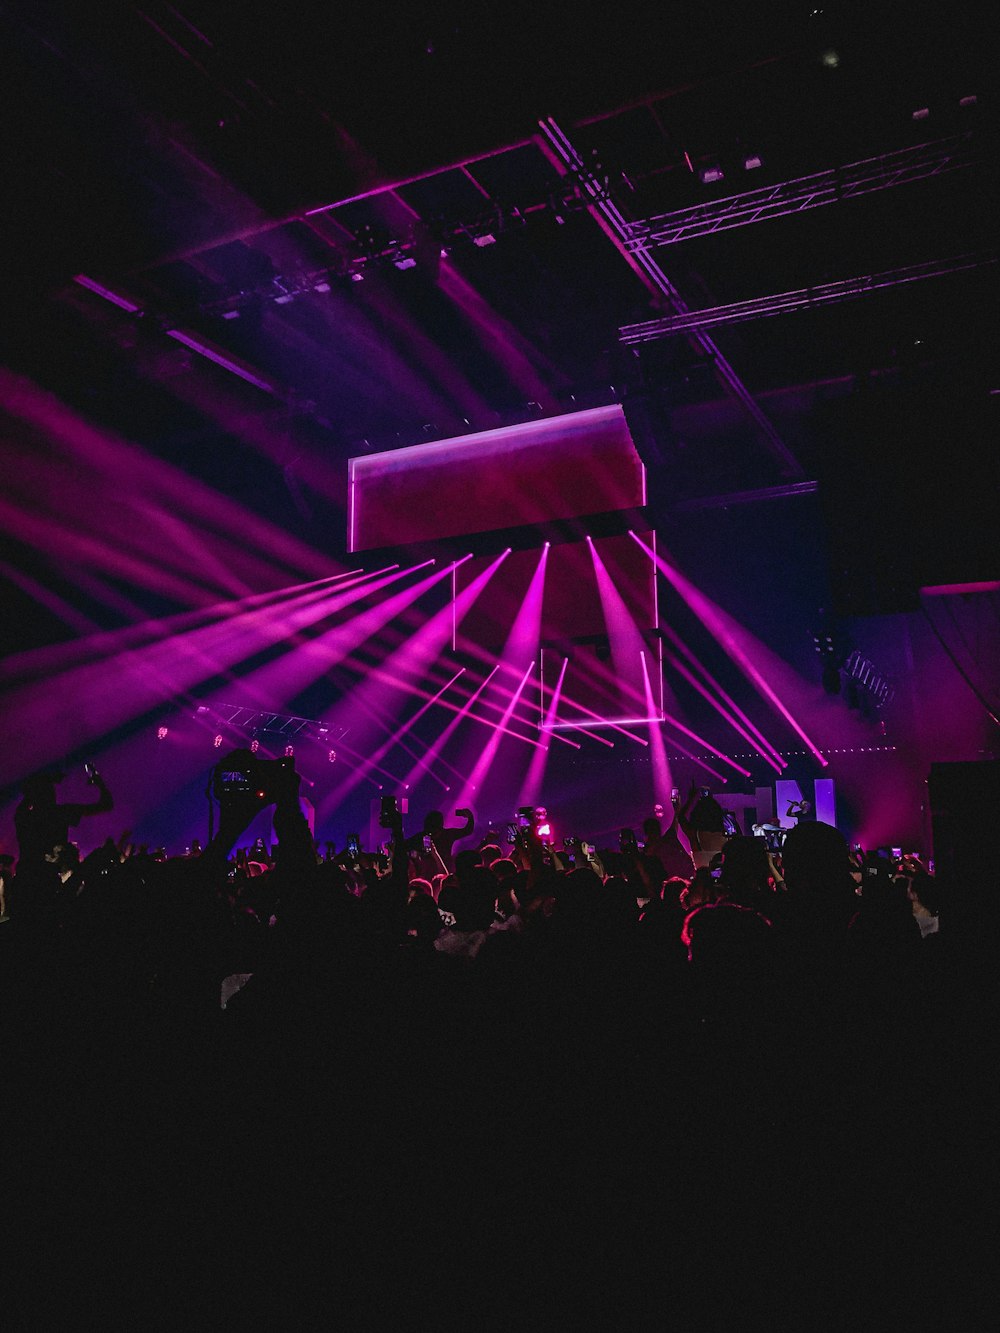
702,1076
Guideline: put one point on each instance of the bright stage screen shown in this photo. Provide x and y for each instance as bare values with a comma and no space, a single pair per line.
541,471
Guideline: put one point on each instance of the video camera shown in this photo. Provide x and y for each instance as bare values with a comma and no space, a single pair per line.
242,774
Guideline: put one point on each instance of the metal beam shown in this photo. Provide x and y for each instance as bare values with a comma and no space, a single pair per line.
600,205
747,497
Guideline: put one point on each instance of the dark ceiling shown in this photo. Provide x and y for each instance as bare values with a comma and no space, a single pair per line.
308,191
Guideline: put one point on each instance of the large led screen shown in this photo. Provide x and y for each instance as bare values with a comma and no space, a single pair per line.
538,472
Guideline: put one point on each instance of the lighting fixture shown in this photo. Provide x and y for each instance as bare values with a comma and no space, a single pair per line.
99,289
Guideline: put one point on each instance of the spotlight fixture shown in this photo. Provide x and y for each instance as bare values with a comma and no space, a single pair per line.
230,314
161,734
286,298
404,262
709,175
321,286
752,161
332,756
357,276
486,238
254,745
289,751
217,742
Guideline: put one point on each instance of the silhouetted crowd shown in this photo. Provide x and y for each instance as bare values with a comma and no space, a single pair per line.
472,1077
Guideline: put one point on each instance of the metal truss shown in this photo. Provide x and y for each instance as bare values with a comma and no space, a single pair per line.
827,293
807,192
860,669
256,721
600,204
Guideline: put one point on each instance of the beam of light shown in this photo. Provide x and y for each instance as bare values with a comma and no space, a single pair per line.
411,660
723,712
531,788
732,637
396,735
107,644
57,606
485,760
700,762
958,589
615,724
288,675
662,781
624,637
738,719
389,723
60,713
442,740
502,341
95,497
489,722
671,721
340,792
520,645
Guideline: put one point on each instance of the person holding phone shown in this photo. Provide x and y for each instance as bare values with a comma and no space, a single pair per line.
665,845
435,844
42,826
703,822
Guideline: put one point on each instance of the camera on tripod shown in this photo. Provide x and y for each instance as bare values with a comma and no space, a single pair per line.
242,774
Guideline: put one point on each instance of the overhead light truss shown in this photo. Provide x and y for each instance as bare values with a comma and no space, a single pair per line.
827,293
807,192
595,192
261,722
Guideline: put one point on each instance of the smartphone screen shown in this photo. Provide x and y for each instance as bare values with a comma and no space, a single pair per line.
428,842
